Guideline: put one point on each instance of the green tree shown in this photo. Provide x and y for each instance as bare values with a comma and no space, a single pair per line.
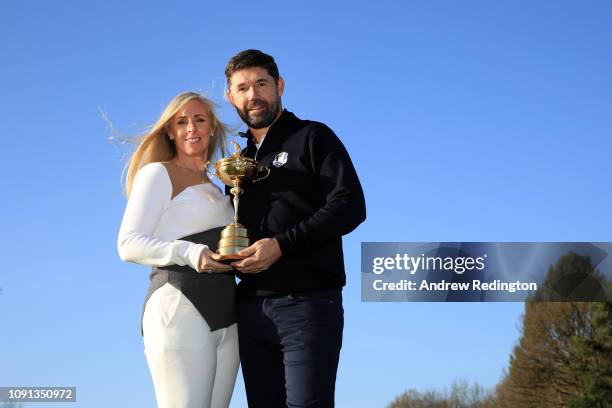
573,278
592,361
563,355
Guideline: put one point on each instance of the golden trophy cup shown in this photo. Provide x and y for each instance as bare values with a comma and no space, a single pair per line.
235,171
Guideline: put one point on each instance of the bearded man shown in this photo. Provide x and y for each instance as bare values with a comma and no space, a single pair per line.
290,292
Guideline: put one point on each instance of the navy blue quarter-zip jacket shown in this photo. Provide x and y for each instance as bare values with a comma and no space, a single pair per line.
310,199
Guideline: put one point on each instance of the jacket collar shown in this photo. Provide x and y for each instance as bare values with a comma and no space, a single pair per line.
277,130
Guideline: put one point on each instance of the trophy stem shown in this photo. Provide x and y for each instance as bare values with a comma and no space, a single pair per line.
236,190
236,201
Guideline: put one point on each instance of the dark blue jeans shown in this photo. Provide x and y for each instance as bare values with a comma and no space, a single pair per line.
289,348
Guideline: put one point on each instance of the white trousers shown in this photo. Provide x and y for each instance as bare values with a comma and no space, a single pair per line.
191,366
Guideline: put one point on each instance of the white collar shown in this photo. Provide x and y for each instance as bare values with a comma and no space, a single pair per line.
260,143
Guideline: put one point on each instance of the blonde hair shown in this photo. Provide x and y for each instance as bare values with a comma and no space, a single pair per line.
156,146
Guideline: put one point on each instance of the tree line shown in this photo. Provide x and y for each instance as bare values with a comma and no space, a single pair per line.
563,357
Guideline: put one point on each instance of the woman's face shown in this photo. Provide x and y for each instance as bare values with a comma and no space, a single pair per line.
191,129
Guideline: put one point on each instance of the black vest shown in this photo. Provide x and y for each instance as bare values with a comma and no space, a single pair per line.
212,294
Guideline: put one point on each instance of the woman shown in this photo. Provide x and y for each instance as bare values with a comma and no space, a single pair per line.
172,220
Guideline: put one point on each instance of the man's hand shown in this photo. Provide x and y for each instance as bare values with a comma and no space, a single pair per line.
261,255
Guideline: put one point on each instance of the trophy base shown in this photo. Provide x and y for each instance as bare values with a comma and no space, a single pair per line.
234,238
228,259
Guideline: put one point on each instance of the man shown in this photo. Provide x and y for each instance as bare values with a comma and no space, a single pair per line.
290,308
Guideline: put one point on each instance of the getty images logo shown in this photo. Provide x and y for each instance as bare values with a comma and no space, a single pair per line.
413,264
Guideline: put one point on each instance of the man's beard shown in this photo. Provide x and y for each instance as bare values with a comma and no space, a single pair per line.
264,118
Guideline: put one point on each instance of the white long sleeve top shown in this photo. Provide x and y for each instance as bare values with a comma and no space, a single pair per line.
154,220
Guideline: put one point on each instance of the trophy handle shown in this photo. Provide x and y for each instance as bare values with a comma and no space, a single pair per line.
211,174
261,168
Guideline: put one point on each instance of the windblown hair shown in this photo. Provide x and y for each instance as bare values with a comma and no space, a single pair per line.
156,146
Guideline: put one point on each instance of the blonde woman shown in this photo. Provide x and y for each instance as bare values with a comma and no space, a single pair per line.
172,222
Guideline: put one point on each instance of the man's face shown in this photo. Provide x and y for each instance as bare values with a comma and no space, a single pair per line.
255,96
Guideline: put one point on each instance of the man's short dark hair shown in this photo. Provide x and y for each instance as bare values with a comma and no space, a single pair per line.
249,59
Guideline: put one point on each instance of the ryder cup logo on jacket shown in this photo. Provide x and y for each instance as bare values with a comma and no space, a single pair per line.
280,159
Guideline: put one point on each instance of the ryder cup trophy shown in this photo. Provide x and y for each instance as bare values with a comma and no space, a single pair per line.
236,171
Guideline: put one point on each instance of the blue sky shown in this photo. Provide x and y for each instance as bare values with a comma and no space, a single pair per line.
466,121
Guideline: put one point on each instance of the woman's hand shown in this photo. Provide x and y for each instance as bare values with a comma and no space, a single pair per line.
208,263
